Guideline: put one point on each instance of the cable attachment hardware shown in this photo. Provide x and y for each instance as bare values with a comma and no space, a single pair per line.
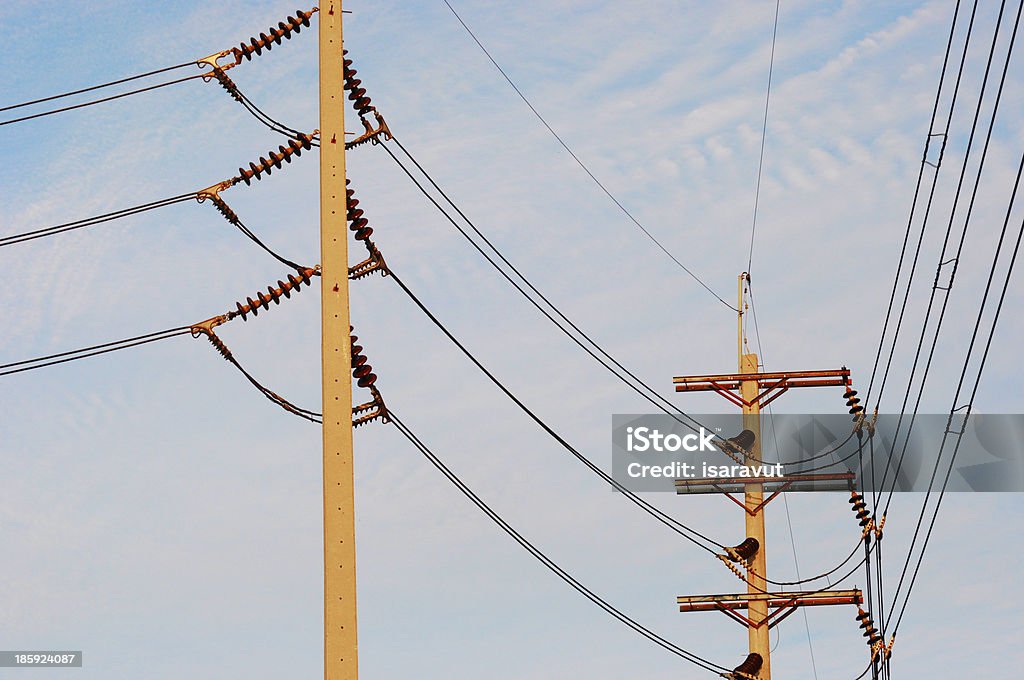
295,148
285,288
372,134
206,328
361,103
748,670
882,649
860,509
212,62
374,263
365,377
371,410
213,194
732,567
266,42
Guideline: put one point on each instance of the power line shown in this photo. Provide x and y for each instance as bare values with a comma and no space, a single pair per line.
94,350
638,385
913,207
634,387
92,221
547,561
648,393
100,101
96,87
760,161
584,166
669,521
963,237
963,375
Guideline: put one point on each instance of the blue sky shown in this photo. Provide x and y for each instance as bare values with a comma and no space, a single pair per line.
163,517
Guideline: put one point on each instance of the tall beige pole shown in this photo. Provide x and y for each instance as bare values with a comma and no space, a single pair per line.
753,494
340,641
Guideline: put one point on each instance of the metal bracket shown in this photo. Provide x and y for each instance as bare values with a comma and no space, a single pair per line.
371,410
213,192
371,133
781,604
375,262
211,61
206,327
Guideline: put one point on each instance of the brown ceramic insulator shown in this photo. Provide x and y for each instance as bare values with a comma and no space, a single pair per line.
295,147
219,344
284,30
356,93
263,300
224,209
750,666
361,370
225,81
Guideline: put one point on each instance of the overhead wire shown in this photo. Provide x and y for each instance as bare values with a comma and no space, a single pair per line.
764,136
690,534
570,322
960,385
609,362
72,107
547,561
94,350
96,87
650,395
945,244
200,196
586,169
680,528
913,208
91,221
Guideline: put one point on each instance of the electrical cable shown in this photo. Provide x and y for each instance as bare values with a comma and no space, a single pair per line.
960,385
584,166
548,315
658,514
651,395
693,424
928,207
85,352
672,523
259,114
547,561
945,244
100,101
311,416
760,162
228,214
95,87
91,221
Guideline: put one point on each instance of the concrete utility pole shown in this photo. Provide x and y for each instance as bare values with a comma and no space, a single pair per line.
340,641
753,496
751,389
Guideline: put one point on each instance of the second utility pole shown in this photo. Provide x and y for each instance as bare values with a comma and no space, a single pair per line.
340,641
753,496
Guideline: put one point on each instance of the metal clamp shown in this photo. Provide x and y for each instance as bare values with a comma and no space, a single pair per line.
212,62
